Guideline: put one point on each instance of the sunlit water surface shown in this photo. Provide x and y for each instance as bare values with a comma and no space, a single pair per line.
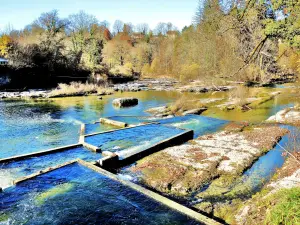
30,126
77,195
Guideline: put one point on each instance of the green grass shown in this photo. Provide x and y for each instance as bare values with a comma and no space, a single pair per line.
287,210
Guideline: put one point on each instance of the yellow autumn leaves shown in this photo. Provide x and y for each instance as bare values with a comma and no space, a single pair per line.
4,42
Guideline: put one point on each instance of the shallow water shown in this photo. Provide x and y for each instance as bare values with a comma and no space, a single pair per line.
30,126
288,97
265,167
77,195
16,169
201,125
136,138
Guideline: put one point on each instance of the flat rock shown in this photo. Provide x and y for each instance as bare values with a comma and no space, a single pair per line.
289,115
184,169
194,111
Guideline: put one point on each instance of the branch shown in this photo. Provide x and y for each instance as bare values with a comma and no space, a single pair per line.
256,50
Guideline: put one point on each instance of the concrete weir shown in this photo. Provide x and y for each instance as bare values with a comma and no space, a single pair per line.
202,219
127,157
113,122
40,153
125,128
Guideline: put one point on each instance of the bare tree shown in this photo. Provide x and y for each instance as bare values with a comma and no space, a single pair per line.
118,26
128,28
170,26
161,29
7,29
142,28
105,24
82,22
51,23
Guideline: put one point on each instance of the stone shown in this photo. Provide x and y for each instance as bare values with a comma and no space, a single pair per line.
157,110
194,111
125,102
165,84
289,116
184,169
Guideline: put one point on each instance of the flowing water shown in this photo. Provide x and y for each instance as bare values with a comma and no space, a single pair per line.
136,138
16,169
30,126
77,195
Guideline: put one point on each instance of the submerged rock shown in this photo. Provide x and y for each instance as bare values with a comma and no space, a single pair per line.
125,102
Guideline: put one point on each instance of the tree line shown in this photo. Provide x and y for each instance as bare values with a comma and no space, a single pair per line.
229,40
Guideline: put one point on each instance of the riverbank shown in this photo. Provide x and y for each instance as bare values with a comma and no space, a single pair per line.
276,203
208,173
74,89
146,84
80,89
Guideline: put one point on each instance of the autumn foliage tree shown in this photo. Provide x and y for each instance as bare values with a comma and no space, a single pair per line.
5,40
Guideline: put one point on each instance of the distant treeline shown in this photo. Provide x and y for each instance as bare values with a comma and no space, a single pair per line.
237,40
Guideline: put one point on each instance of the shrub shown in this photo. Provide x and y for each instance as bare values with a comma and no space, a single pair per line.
78,89
189,72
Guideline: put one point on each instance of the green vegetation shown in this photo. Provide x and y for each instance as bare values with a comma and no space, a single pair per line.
253,41
4,217
286,209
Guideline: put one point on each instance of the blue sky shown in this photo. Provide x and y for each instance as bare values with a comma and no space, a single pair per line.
19,13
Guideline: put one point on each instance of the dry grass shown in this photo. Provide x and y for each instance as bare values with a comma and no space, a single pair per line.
185,103
78,89
240,95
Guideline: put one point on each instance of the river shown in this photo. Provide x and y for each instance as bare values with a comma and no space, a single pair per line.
30,126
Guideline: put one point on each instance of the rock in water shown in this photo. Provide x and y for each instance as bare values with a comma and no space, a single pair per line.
289,116
197,111
125,102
